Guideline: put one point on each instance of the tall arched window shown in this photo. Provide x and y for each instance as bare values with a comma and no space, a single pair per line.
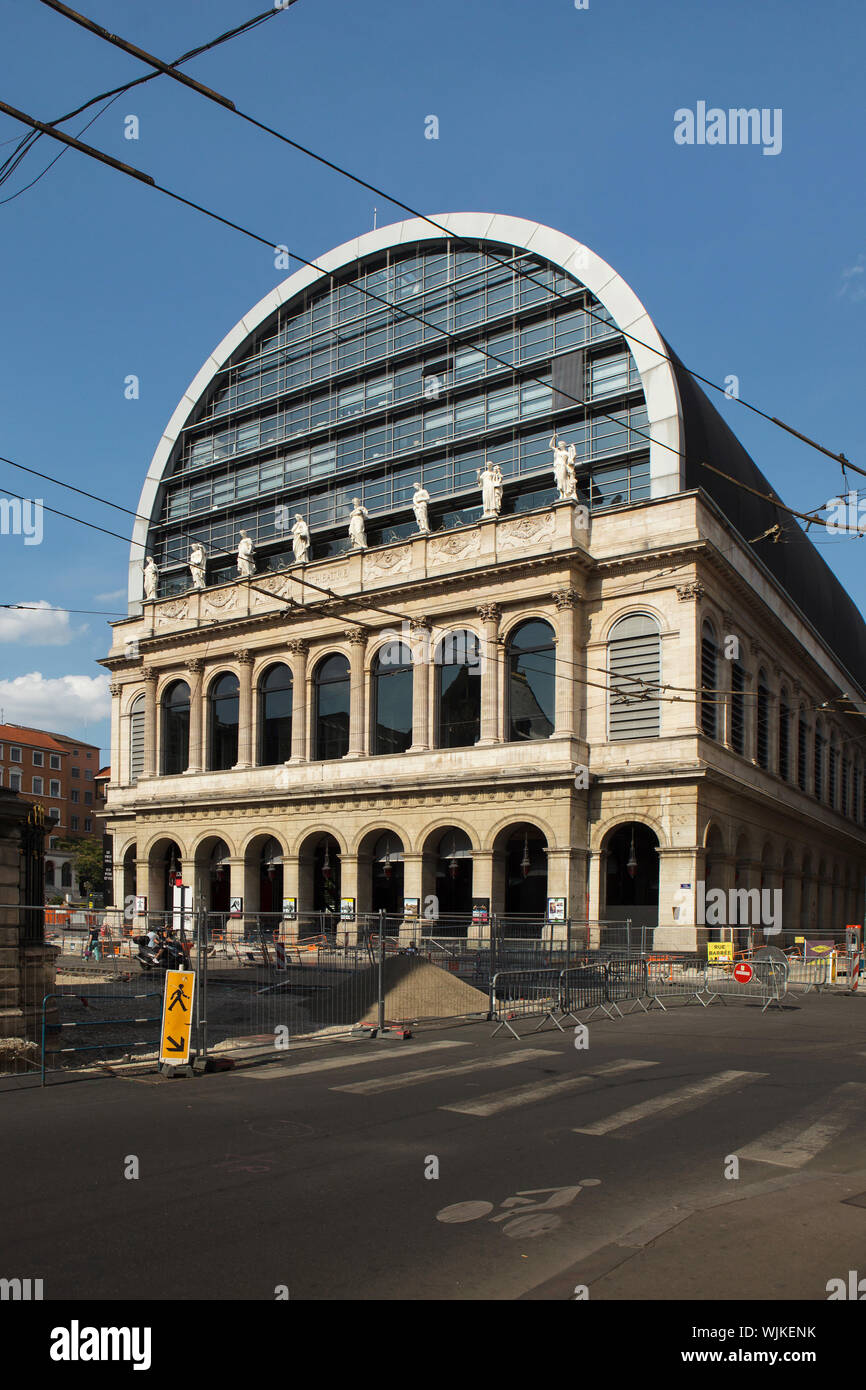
762,721
136,738
223,739
458,699
275,715
738,708
634,663
709,682
331,692
833,773
531,681
175,728
784,736
391,701
802,750
857,783
844,784
818,761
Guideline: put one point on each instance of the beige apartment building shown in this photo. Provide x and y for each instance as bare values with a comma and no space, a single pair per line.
435,608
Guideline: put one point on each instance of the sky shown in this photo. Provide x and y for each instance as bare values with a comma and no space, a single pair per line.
752,264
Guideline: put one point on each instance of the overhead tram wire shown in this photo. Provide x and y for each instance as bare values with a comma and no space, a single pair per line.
142,177
24,146
168,71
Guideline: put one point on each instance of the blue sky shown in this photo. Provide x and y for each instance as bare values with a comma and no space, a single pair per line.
751,265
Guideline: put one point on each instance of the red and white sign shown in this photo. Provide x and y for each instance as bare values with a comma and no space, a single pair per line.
743,972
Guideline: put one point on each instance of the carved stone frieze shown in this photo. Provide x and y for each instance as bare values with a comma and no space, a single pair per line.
526,529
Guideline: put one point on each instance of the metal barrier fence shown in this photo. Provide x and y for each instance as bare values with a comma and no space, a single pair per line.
767,981
673,976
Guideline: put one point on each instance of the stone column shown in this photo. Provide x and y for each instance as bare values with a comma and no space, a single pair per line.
245,709
484,886
349,869
298,650
597,866
420,642
566,601
115,690
413,887
149,769
489,614
357,637
194,675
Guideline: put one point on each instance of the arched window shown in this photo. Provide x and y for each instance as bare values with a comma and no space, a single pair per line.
49,873
802,750
458,700
66,875
762,721
331,725
275,715
223,699
634,663
784,736
391,699
531,681
738,708
175,728
709,682
845,782
818,761
833,773
136,738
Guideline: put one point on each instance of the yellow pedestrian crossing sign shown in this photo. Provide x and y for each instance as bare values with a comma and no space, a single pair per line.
177,1016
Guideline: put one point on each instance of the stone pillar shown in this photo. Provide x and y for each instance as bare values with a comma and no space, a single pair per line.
194,676
680,871
349,888
566,601
149,769
245,709
291,877
117,741
298,650
489,614
413,885
685,717
483,886
421,655
357,637
597,867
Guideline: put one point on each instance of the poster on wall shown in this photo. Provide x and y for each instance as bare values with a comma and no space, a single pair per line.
140,903
290,909
411,907
347,909
481,911
236,907
556,909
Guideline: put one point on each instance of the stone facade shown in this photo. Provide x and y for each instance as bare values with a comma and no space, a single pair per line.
721,808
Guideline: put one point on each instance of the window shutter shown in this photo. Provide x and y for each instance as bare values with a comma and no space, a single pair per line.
635,673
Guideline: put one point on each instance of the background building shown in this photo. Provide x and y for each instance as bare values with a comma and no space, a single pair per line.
60,774
606,699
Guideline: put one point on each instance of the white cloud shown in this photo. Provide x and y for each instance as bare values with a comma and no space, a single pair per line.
112,597
37,624
56,703
853,284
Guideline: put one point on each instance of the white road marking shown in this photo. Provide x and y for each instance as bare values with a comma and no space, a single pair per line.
793,1143
493,1103
683,1098
387,1054
415,1078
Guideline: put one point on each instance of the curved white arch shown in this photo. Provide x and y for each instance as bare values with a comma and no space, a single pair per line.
657,378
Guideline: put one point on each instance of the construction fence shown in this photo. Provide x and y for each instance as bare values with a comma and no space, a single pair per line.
265,985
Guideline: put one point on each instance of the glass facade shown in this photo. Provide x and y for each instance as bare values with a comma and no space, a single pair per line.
342,395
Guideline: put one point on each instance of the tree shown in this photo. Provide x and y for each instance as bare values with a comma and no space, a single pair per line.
86,861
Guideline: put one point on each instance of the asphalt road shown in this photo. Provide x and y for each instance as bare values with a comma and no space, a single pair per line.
557,1167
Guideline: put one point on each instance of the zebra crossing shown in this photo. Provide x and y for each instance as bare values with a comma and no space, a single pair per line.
800,1138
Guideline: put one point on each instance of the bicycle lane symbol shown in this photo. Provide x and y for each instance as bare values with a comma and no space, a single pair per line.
524,1218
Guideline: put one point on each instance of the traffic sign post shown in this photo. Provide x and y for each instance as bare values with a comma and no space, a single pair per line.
742,972
174,1041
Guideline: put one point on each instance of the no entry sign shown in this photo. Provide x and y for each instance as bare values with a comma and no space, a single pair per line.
743,972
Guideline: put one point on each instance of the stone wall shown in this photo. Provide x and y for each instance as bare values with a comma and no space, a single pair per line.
26,968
